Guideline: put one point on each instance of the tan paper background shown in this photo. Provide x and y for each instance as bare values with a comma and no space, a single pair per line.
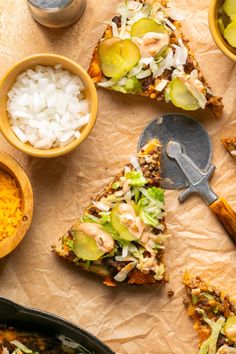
130,320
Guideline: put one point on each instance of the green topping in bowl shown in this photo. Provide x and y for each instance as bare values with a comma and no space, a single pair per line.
227,21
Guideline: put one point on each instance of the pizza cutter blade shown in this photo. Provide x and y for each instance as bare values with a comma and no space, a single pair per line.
186,162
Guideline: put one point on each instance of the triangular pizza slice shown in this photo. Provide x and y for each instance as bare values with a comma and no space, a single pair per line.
121,235
230,145
214,316
143,52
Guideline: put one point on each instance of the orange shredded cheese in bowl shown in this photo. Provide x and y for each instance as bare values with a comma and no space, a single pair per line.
10,205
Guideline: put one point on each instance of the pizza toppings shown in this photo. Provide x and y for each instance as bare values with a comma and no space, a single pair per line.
214,317
230,328
146,44
14,341
121,235
230,146
91,241
118,57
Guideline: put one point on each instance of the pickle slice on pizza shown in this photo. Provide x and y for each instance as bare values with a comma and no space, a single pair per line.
230,146
143,52
214,316
121,235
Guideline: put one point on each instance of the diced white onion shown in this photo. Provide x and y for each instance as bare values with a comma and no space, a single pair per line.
106,84
136,70
102,206
174,14
166,63
181,54
122,275
143,74
115,31
161,85
197,94
135,163
47,107
169,23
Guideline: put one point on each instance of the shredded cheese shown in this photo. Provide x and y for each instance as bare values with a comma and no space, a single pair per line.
10,205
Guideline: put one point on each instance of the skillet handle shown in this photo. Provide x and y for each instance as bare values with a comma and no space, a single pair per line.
226,215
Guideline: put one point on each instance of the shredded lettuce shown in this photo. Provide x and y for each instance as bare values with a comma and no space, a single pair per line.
209,345
21,347
151,206
116,185
208,296
159,271
132,85
69,243
136,178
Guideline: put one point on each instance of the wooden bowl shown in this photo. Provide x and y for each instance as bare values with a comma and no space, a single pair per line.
10,166
219,39
46,60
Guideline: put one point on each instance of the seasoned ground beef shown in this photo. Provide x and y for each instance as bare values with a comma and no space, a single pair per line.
117,21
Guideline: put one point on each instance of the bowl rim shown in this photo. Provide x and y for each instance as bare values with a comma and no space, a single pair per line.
216,33
89,85
10,166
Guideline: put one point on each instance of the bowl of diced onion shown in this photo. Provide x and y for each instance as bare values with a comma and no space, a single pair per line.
48,105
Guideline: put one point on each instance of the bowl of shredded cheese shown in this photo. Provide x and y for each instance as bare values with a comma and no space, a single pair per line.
48,105
16,204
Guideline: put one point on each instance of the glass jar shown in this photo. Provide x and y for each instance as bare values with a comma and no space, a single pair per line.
56,13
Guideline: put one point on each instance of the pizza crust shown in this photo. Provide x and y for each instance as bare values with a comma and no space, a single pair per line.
230,146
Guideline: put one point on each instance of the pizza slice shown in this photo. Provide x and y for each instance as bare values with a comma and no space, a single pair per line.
121,235
214,316
143,52
15,341
230,145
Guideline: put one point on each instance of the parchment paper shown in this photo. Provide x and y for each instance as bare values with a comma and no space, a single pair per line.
129,320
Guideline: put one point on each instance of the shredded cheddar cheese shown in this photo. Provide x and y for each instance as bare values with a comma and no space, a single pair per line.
10,205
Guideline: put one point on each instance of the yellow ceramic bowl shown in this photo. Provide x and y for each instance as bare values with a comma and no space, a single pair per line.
221,42
45,60
11,167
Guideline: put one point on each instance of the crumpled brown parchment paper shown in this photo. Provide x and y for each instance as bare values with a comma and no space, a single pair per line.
129,320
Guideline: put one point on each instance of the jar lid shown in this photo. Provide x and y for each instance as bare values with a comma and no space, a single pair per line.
50,4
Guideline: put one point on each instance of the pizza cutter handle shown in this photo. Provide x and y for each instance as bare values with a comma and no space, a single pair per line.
226,215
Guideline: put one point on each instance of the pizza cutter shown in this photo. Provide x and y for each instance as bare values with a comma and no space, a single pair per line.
186,162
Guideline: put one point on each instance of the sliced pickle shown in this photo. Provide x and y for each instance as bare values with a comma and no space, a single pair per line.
224,17
146,25
85,247
230,8
181,96
230,33
221,26
118,56
119,227
230,328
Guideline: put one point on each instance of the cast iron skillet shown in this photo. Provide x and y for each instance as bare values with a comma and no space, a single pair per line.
28,319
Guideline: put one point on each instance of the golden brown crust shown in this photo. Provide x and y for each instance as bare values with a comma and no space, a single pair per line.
230,146
214,103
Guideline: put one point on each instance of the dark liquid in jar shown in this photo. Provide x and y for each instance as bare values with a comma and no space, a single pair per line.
50,4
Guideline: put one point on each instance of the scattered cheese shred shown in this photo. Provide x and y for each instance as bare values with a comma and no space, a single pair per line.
10,205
